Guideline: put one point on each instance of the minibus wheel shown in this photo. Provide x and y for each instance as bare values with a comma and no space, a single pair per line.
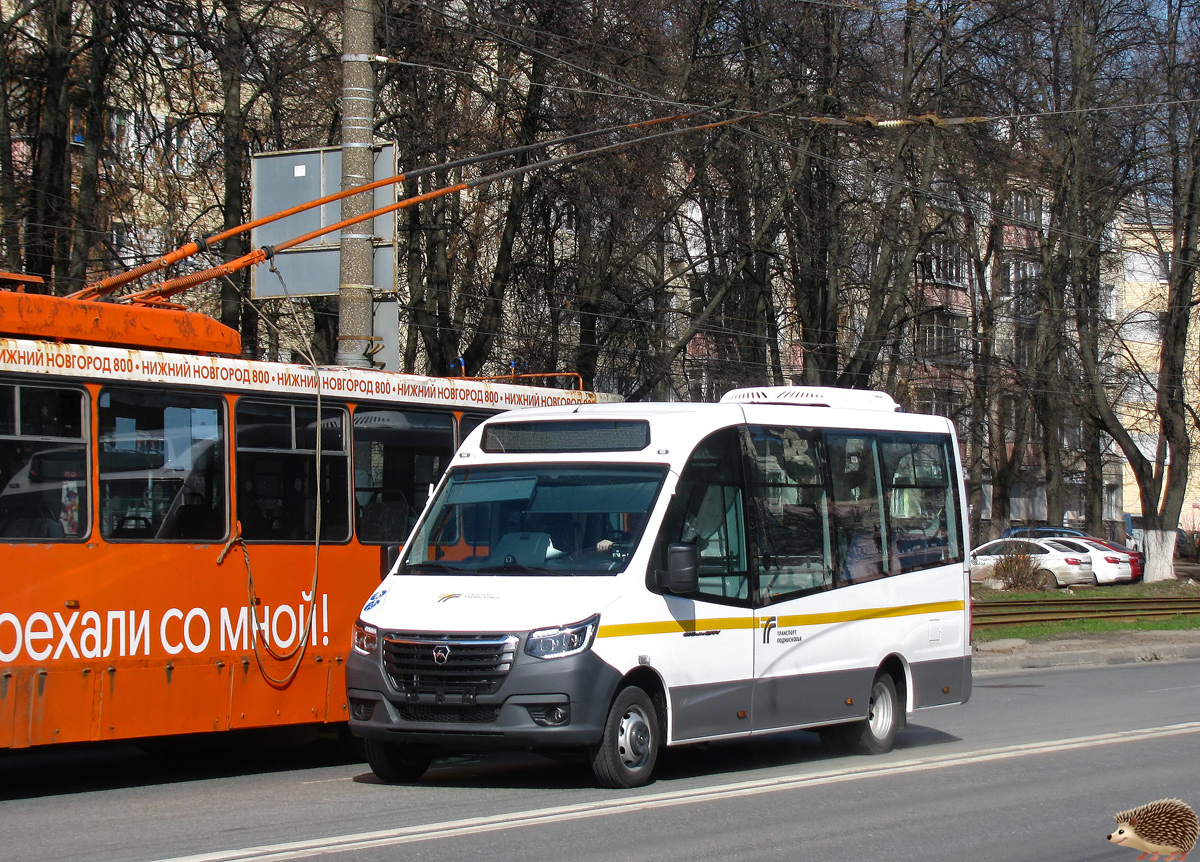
877,732
628,749
396,762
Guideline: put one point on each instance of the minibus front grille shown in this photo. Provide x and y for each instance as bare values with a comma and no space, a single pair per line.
449,714
448,667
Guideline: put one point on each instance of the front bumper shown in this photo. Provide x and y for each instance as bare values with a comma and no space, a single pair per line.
519,715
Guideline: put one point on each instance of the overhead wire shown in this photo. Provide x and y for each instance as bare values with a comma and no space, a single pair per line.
865,121
164,290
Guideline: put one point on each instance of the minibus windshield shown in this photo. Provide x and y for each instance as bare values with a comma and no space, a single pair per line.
535,519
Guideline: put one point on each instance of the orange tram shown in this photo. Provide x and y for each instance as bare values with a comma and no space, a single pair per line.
186,537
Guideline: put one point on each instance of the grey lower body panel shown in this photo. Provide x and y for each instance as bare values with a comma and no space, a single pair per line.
712,709
805,700
812,698
941,682
745,706
583,685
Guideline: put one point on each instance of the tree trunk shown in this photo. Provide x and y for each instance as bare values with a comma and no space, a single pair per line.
46,238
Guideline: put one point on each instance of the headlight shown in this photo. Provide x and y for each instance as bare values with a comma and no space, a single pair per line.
366,638
563,641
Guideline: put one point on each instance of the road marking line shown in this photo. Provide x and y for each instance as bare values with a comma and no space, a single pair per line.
329,780
1172,688
515,820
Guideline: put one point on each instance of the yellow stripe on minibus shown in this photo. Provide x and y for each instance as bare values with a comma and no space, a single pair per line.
659,627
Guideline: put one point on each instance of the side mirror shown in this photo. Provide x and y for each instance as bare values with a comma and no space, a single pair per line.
388,554
682,575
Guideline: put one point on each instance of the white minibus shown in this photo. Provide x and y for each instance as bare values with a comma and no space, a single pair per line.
605,580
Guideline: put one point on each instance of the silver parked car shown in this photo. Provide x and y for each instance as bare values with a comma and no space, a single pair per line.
1056,567
1108,566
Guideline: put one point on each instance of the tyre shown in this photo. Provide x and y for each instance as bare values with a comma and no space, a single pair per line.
1045,580
877,732
395,762
628,749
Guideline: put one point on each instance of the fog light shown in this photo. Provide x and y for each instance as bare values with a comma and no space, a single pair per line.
362,710
550,716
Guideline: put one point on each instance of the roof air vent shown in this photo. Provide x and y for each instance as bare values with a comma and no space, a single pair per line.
813,396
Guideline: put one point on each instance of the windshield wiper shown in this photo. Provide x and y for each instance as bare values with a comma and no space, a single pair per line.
518,568
431,566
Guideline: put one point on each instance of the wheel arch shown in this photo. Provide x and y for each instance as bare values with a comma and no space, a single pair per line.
897,668
649,681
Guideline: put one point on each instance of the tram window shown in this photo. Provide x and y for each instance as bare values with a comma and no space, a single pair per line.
162,466
43,464
398,455
468,423
277,472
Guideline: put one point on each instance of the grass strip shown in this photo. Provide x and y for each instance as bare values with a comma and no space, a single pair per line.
1030,631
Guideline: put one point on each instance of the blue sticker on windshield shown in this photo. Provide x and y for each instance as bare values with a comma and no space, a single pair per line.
375,599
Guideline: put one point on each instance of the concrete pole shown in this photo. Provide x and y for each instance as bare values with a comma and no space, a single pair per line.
356,283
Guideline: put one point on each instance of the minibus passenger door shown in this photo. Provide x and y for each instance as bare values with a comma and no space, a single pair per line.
798,654
708,664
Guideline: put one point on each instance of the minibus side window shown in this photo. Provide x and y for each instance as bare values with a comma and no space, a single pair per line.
43,464
708,511
860,551
922,515
277,472
786,483
162,466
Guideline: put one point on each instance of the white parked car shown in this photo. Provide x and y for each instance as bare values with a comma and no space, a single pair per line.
1108,566
1056,566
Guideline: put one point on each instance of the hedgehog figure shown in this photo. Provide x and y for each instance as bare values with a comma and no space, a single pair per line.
1167,826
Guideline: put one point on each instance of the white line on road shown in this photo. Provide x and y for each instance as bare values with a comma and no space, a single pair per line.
329,780
1172,688
625,805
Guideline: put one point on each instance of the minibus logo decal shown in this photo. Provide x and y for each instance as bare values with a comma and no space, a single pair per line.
441,654
768,624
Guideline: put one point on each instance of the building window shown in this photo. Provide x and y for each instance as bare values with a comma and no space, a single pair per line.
941,336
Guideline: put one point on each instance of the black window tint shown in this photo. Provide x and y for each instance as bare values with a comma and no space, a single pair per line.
50,412
468,423
332,429
43,464
8,411
277,472
398,455
264,426
162,466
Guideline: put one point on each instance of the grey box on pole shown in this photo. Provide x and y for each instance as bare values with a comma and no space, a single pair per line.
281,180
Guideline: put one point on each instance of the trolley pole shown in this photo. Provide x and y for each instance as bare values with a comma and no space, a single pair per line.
356,277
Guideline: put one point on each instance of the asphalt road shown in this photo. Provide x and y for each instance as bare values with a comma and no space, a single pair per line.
1033,767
